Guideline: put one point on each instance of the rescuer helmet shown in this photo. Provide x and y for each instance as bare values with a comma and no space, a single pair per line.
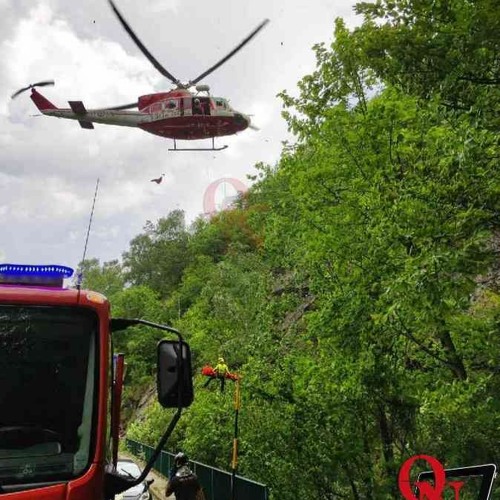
181,458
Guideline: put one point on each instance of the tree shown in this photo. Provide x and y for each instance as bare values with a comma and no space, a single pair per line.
138,343
445,49
158,257
109,279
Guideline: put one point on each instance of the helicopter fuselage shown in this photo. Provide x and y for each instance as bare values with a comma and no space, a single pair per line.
177,114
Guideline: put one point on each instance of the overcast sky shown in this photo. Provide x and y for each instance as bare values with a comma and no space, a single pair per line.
49,166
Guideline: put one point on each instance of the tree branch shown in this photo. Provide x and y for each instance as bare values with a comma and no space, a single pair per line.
480,81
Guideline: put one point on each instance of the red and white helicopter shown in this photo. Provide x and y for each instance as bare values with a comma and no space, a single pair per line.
176,114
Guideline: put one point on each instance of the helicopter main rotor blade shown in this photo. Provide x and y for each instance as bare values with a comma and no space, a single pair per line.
143,49
231,54
123,106
38,84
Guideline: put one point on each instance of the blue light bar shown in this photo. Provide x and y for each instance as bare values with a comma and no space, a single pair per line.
26,274
29,270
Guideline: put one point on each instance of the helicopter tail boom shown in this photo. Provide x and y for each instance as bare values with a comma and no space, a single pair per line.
42,103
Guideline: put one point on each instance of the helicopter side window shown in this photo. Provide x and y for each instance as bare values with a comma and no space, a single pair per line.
197,107
156,107
171,104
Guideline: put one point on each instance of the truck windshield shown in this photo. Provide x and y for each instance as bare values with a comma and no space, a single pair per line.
47,391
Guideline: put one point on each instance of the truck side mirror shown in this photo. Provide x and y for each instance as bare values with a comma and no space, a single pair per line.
175,383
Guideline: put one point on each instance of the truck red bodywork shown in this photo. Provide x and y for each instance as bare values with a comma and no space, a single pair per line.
90,485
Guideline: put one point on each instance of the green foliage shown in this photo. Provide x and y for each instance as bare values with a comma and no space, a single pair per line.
158,257
227,231
449,49
107,279
137,343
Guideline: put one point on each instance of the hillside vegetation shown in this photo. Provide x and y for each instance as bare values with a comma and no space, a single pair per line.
355,286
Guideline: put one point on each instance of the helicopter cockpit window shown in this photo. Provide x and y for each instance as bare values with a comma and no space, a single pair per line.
221,103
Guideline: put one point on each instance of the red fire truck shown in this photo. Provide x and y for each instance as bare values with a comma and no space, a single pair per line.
60,388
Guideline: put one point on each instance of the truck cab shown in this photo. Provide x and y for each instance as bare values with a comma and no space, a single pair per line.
60,387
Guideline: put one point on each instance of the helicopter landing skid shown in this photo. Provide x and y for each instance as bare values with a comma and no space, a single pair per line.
213,148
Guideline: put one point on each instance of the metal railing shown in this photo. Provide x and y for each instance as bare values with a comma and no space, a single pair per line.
216,483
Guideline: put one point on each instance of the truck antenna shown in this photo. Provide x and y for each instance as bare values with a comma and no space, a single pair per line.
79,277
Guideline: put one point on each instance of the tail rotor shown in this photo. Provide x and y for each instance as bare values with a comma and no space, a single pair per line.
38,84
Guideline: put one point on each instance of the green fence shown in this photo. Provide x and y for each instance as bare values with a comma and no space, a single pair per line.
215,482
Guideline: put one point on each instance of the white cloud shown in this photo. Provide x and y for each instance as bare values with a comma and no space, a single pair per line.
45,47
